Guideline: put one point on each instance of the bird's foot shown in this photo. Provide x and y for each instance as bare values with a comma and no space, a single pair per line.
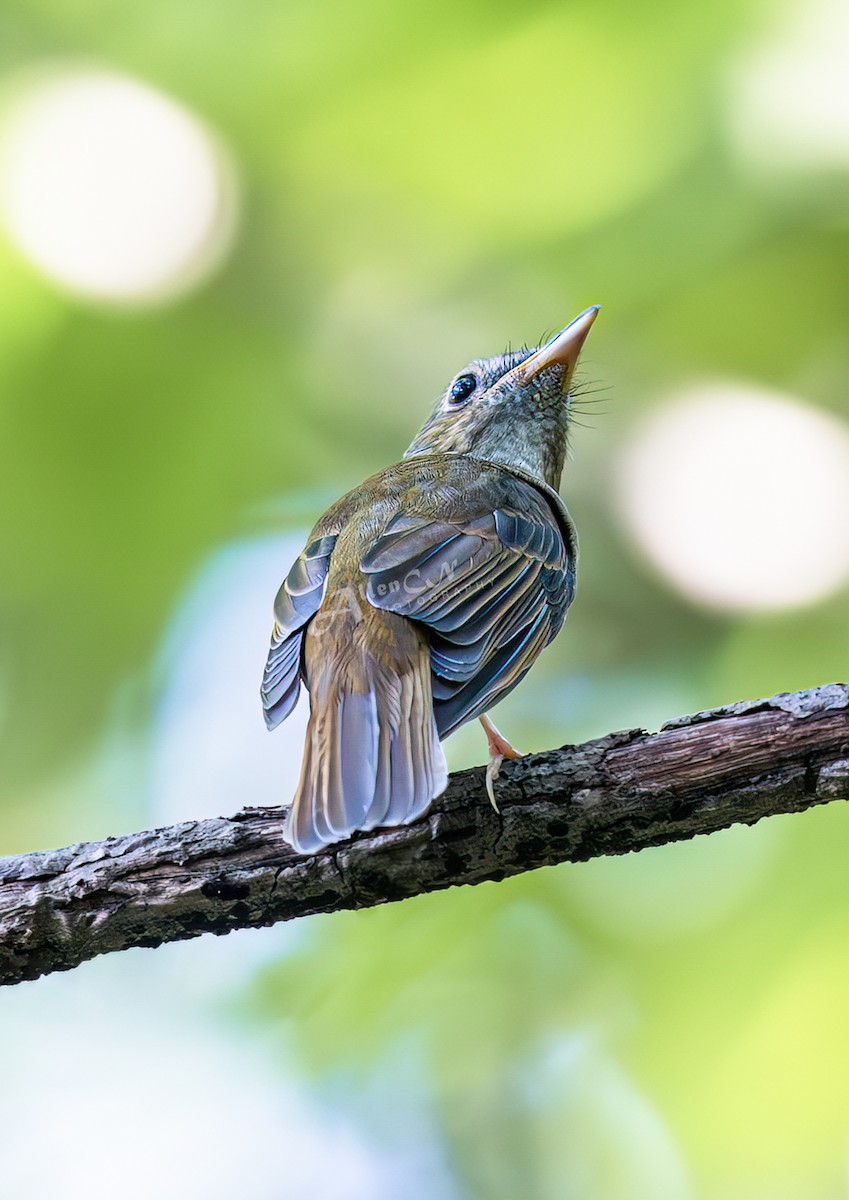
499,749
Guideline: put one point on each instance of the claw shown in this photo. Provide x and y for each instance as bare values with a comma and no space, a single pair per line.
492,772
499,749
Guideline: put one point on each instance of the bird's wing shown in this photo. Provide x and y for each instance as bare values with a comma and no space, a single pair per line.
492,589
298,600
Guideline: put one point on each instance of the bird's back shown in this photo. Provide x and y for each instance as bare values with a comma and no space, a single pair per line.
430,592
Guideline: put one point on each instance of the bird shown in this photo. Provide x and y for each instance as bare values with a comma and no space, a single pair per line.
424,596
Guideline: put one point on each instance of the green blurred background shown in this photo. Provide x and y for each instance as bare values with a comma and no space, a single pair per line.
419,185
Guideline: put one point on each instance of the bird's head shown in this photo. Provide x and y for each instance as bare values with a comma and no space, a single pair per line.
512,409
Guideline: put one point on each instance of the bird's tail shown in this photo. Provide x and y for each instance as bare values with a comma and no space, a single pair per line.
372,755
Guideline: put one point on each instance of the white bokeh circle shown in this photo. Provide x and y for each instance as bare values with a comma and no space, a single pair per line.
114,190
740,497
789,93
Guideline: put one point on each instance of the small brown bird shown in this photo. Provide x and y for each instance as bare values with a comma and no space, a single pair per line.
425,595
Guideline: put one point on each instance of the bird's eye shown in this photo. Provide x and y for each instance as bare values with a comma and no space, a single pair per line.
462,388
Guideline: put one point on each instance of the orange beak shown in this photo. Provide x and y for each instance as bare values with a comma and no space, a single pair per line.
564,349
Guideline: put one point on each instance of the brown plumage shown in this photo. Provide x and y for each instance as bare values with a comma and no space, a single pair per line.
425,595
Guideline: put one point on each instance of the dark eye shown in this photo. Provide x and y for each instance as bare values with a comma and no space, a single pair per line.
462,388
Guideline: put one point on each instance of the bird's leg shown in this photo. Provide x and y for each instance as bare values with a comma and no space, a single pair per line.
499,749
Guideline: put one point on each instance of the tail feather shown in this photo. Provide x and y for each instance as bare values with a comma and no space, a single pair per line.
350,797
411,763
371,758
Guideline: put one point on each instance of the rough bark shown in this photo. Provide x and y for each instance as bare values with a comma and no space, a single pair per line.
620,793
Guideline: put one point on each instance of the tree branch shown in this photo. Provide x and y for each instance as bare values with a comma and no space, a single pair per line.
622,792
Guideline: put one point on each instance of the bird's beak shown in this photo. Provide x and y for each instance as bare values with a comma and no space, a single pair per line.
563,349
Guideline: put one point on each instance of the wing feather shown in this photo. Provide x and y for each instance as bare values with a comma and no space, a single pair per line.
492,588
298,600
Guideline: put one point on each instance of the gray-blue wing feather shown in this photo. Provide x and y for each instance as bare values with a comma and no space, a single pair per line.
492,589
298,600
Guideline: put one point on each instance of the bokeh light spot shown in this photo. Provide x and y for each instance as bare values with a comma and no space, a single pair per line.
112,189
740,498
790,95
